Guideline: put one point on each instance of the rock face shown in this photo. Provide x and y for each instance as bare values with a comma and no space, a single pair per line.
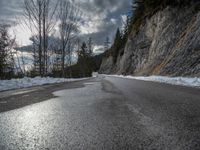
168,43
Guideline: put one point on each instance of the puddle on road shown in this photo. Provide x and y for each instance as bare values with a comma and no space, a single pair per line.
22,92
89,87
90,83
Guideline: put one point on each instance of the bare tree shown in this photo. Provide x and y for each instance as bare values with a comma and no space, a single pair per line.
69,16
40,19
18,66
70,52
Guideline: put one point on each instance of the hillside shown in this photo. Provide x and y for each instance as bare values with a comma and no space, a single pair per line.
167,42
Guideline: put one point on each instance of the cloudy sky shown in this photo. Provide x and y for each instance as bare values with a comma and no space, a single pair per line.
101,18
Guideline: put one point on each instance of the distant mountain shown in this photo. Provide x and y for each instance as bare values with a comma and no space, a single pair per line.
52,41
28,48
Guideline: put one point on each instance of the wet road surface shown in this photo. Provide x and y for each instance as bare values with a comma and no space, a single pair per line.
101,113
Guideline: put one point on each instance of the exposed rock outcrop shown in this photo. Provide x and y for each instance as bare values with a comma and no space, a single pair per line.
168,43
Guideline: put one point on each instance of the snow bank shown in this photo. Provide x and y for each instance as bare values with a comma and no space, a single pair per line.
29,82
95,74
192,82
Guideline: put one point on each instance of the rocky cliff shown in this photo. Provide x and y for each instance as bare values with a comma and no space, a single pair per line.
167,43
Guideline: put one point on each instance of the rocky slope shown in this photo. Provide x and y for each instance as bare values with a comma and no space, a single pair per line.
168,43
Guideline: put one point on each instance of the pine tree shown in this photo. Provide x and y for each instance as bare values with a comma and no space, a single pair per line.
118,38
4,50
126,31
107,43
90,46
117,45
84,61
83,51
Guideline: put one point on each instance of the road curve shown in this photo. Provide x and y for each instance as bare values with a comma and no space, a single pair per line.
101,113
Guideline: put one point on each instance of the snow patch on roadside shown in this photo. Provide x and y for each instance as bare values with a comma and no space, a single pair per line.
29,82
191,82
95,74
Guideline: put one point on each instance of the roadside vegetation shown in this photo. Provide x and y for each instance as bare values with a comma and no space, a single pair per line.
7,64
57,50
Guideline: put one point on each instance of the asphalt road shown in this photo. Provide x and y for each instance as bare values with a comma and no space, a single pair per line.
101,113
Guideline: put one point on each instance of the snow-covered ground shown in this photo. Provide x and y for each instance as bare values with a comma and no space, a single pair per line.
29,82
191,82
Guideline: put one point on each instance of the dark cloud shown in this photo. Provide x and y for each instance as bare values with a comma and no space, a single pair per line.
102,17
9,9
107,15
